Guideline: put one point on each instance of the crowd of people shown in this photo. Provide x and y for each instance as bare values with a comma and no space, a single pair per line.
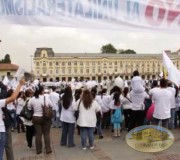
91,109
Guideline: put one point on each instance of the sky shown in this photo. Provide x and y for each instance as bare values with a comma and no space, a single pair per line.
21,41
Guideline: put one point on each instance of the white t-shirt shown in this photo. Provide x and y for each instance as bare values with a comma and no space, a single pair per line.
104,102
67,115
37,103
2,127
138,100
87,117
137,84
162,99
173,91
54,97
20,105
126,102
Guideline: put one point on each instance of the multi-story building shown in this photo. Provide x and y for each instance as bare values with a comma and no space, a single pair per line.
64,66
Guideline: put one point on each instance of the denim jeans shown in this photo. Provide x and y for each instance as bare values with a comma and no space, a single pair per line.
164,122
87,131
2,144
172,119
99,129
67,134
55,120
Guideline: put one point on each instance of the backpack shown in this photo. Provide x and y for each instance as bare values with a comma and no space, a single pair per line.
26,113
47,111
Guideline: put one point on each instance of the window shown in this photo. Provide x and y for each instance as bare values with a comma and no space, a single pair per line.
50,63
75,71
115,62
81,63
37,63
44,64
110,63
44,71
69,63
75,63
57,63
99,63
63,63
99,70
81,70
51,72
37,72
93,70
87,70
63,71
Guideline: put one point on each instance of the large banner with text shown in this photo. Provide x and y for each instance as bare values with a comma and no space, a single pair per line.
161,15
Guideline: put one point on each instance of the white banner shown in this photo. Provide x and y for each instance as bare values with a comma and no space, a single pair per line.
161,15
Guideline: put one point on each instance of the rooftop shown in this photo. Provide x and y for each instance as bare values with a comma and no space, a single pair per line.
8,66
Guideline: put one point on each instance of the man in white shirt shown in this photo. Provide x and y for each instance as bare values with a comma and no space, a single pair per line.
4,102
54,97
162,99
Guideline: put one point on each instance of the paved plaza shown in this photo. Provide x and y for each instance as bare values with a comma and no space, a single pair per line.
105,149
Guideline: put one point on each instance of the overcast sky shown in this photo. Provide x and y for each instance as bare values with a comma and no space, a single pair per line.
21,41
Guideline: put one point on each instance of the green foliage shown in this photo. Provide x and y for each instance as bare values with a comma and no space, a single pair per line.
6,59
108,48
127,51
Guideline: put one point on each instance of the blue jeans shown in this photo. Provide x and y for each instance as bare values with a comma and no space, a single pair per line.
55,120
67,133
2,144
99,129
172,119
87,131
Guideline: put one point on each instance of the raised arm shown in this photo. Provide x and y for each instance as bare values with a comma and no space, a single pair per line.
15,94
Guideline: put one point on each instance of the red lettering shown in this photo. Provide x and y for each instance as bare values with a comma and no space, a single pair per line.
150,10
172,13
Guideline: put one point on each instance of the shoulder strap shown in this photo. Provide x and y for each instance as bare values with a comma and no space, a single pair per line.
128,99
79,104
44,100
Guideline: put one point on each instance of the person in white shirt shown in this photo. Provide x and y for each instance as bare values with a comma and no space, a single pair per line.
162,99
42,126
4,102
127,106
19,106
67,118
54,97
137,84
138,109
87,120
173,105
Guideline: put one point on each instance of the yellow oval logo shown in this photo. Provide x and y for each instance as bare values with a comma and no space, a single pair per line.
150,138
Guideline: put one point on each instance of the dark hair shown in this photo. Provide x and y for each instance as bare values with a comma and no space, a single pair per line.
169,83
77,94
9,93
53,88
154,84
28,93
125,91
67,97
115,89
38,91
177,91
135,73
104,90
163,83
20,93
87,98
94,92
116,98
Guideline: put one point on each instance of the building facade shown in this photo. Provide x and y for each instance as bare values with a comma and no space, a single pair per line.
7,69
50,66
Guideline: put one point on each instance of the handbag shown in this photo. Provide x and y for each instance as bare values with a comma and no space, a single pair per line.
76,113
47,111
26,113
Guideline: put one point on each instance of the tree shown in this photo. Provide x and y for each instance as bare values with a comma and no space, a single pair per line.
108,48
6,59
127,51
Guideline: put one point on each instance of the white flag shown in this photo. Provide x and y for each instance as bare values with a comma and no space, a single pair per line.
6,81
173,72
20,73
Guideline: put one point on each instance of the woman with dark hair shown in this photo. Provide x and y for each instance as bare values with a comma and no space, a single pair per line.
30,131
42,126
87,120
67,118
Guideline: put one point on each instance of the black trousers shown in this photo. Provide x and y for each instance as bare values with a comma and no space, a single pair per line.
127,117
137,119
30,132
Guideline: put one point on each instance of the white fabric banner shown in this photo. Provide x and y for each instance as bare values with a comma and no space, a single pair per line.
173,72
161,15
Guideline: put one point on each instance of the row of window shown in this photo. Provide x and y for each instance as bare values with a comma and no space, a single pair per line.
93,71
